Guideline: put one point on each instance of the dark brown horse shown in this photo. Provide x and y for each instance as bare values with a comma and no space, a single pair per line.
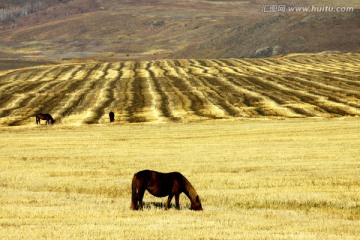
47,117
112,116
162,185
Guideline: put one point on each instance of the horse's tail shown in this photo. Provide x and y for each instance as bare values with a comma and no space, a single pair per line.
134,190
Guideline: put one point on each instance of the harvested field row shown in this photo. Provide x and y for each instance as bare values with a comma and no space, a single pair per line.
293,86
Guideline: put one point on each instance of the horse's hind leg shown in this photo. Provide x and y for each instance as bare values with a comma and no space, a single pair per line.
140,196
137,201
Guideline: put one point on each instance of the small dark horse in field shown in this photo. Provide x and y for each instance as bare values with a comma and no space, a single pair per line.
46,117
161,185
112,116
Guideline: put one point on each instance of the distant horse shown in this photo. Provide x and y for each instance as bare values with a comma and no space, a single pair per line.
112,116
46,117
162,185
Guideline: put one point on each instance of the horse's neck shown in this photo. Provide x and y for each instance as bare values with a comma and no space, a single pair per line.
189,190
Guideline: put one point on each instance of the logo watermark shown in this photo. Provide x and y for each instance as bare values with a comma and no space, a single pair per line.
284,8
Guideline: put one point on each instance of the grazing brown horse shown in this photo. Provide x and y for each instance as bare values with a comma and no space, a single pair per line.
46,117
161,185
112,116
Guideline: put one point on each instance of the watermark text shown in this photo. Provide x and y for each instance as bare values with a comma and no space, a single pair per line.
284,8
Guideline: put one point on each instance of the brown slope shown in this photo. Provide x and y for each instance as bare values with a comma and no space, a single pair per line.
175,29
282,34
145,29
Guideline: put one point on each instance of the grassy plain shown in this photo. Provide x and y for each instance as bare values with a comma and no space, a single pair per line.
292,86
258,179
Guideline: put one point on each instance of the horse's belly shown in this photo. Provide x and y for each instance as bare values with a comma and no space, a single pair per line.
158,192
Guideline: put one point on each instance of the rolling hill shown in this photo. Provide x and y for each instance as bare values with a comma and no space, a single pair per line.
158,29
291,86
281,34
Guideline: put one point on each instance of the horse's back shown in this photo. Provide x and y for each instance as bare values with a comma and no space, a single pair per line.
150,174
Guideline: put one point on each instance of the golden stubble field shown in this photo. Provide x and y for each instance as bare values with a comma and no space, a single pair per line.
292,86
258,179
271,146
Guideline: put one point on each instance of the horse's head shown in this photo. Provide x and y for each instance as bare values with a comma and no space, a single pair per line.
52,121
196,205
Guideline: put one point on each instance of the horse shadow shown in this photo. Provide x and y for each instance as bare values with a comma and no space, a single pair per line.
161,205
155,205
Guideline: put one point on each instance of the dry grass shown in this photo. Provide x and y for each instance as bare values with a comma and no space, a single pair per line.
258,179
293,86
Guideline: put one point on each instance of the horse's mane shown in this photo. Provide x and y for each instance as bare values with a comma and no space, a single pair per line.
189,189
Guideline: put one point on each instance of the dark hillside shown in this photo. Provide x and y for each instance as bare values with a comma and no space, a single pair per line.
282,34
157,29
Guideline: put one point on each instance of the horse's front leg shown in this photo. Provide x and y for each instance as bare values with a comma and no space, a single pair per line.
168,202
177,204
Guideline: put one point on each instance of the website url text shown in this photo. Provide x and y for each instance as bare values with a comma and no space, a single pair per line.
284,8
